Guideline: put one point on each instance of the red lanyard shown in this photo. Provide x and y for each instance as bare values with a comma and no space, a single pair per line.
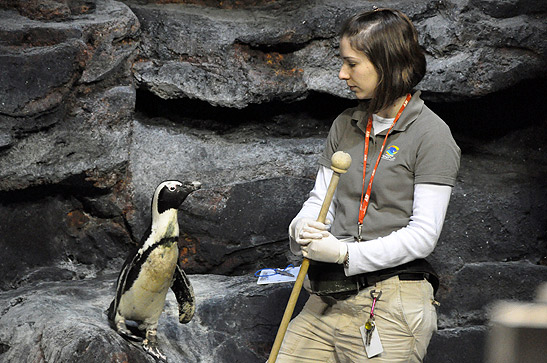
365,197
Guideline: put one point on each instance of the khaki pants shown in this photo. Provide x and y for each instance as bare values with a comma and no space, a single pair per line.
405,319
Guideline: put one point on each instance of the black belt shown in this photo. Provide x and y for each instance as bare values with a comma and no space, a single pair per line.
363,283
413,276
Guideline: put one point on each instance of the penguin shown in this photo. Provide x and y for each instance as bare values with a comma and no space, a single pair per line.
151,270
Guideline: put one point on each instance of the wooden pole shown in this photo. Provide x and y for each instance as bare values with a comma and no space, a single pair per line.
340,163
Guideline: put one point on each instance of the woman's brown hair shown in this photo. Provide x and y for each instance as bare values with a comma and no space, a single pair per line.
389,40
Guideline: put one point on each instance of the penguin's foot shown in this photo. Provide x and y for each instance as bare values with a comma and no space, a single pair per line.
126,333
151,347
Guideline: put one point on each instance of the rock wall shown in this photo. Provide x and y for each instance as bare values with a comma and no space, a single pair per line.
101,100
256,51
68,97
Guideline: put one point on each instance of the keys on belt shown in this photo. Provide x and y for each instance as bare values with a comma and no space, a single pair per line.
370,325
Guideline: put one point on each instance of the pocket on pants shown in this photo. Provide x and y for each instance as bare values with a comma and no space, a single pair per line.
418,309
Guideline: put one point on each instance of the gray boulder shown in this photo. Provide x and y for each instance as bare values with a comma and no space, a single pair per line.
236,321
67,92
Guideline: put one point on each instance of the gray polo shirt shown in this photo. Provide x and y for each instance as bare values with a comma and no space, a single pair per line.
419,149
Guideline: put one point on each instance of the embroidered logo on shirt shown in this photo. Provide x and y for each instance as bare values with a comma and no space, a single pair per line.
390,153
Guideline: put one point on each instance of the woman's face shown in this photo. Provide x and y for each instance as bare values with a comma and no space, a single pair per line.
358,72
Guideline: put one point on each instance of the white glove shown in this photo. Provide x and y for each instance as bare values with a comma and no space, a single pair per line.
327,249
307,229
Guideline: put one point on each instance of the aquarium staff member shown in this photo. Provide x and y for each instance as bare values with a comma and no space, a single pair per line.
387,213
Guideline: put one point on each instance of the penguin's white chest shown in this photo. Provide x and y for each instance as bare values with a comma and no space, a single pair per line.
146,298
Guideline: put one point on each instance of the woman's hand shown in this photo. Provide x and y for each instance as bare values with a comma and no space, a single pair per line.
327,249
307,230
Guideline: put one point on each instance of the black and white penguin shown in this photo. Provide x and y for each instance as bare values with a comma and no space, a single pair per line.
152,269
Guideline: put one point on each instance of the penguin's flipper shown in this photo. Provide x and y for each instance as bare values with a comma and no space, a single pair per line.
110,311
185,295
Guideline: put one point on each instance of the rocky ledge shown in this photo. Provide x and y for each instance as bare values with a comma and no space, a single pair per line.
235,53
236,321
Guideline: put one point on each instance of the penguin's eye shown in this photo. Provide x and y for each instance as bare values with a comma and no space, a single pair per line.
172,188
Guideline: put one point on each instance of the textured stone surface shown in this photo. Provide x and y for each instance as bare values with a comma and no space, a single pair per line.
67,93
236,320
457,345
495,213
57,234
243,226
258,51
477,285
57,10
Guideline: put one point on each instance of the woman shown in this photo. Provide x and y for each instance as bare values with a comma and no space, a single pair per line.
372,292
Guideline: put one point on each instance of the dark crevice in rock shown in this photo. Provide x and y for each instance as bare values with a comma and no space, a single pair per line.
72,186
36,37
41,122
497,114
500,9
4,348
285,5
281,48
310,117
486,118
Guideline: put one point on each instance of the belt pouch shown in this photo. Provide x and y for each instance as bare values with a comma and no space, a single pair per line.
329,278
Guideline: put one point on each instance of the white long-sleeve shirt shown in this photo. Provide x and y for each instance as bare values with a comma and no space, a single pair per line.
416,240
